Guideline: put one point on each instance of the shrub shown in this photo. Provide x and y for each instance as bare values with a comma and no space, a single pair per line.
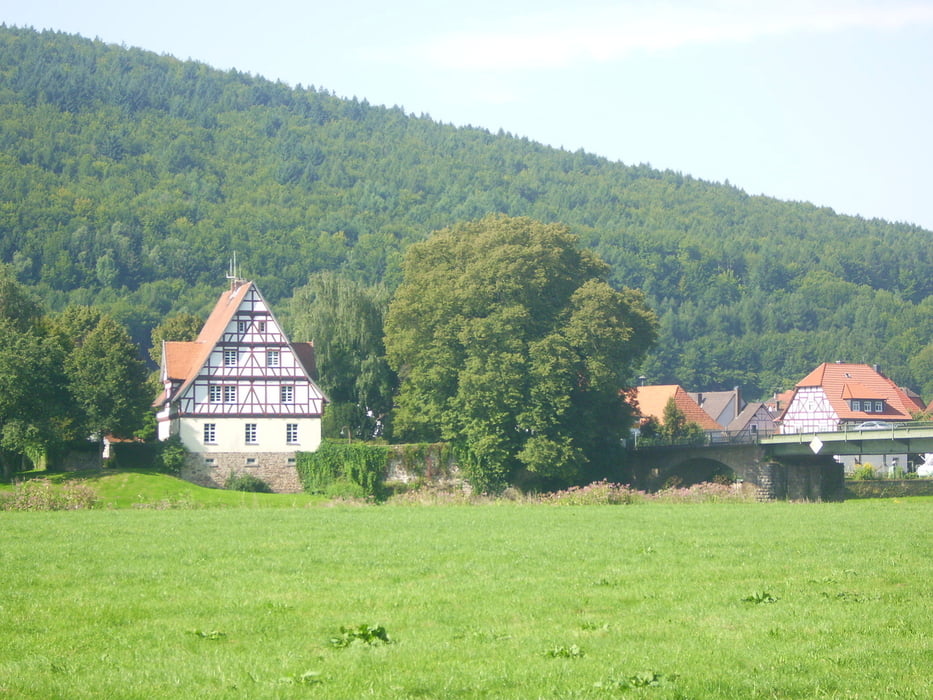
246,482
41,494
864,472
171,456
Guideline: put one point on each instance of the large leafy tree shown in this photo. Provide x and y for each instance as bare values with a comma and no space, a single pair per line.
345,320
35,406
510,343
106,377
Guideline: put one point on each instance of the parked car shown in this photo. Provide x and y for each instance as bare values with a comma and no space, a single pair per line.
872,425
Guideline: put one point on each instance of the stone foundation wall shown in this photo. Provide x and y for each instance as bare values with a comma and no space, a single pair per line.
810,480
272,467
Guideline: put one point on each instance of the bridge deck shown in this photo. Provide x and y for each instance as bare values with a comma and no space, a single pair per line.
913,438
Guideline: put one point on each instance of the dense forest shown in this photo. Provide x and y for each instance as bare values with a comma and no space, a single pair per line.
128,180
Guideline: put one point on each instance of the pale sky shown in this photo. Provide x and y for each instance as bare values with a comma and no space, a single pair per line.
825,101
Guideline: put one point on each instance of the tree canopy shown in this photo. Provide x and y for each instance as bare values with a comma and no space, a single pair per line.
509,342
62,377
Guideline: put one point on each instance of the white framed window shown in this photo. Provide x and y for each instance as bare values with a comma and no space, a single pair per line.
286,393
291,433
879,406
260,326
210,433
242,327
229,393
230,358
213,393
856,405
249,434
272,358
250,461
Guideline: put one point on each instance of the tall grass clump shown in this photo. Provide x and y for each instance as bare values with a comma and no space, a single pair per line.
707,492
42,494
599,493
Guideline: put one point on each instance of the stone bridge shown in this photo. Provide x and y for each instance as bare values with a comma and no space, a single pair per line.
797,477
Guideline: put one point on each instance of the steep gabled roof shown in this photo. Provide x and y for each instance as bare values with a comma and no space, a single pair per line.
741,421
715,403
842,382
653,399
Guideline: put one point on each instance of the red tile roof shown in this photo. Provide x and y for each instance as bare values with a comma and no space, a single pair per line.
653,399
842,382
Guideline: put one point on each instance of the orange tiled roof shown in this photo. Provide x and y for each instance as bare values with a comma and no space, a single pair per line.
843,381
653,399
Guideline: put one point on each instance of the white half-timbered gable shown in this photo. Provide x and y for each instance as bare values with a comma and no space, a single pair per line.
838,393
241,395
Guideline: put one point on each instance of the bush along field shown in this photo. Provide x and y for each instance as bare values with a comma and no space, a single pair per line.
505,600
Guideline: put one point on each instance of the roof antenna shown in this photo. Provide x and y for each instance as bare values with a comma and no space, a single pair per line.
232,275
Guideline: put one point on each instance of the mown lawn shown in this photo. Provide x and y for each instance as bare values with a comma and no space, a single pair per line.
496,601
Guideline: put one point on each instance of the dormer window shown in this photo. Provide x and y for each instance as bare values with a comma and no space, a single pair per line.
856,405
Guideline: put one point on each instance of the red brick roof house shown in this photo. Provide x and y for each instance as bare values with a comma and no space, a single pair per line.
652,400
838,393
242,397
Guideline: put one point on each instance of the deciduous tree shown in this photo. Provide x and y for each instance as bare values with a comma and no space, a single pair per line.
510,343
345,320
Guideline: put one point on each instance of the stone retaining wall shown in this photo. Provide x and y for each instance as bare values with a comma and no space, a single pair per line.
274,468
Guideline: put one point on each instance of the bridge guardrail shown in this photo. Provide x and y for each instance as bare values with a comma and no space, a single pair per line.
711,439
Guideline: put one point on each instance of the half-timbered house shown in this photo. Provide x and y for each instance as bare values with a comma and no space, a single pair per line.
241,397
842,393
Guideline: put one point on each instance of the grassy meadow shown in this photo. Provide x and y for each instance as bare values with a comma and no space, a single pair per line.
507,600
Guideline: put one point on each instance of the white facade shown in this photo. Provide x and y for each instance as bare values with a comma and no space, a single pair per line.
810,412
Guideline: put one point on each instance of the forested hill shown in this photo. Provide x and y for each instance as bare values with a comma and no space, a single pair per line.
129,179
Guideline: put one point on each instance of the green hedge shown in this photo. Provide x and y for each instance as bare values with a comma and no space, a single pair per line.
338,468
888,488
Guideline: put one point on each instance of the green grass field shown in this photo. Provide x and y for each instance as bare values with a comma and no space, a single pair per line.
655,600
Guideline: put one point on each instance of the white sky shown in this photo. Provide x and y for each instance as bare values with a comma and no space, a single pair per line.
826,101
